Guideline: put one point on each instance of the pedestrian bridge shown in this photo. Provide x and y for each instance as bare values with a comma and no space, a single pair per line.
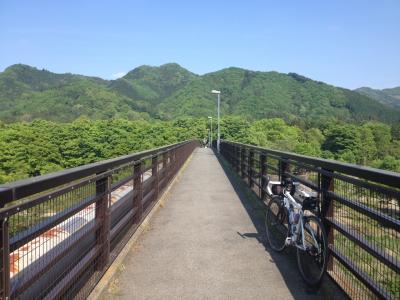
181,222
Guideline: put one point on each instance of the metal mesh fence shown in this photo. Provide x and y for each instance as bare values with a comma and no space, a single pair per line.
361,212
58,242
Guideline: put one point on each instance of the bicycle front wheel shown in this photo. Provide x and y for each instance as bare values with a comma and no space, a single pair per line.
312,261
276,223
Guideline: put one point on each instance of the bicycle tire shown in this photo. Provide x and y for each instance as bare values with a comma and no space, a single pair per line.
276,214
307,259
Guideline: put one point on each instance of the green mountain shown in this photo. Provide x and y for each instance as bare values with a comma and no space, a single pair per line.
389,97
272,94
27,93
151,85
393,92
170,91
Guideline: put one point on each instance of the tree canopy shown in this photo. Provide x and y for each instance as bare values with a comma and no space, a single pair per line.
39,147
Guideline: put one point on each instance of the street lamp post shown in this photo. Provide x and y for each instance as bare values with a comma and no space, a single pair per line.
218,138
210,118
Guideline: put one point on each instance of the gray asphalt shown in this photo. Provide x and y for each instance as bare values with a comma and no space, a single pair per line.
205,244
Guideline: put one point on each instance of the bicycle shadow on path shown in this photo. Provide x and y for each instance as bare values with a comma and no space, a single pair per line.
286,261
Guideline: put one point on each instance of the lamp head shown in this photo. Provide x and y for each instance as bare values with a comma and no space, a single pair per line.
215,92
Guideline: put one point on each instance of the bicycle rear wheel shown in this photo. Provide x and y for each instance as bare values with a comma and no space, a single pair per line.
312,261
276,223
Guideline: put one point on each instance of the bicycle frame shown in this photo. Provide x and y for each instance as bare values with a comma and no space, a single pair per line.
288,201
302,229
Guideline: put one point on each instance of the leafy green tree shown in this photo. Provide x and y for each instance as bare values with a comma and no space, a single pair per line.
310,142
368,145
344,140
390,163
39,147
275,134
234,128
382,136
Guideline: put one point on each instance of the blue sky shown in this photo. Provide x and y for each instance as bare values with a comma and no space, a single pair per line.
346,43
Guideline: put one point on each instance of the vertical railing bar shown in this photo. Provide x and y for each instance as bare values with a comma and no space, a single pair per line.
327,185
138,191
5,256
250,168
242,162
263,174
283,168
154,174
102,215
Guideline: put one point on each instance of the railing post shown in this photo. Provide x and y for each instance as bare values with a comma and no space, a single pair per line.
283,168
223,152
165,170
154,174
233,155
179,156
173,162
238,159
182,156
327,185
138,191
263,173
242,161
251,167
5,260
102,215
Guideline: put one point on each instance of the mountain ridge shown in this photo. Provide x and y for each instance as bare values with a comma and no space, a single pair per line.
169,91
390,96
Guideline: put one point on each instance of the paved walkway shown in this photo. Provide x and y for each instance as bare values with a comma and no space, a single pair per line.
205,244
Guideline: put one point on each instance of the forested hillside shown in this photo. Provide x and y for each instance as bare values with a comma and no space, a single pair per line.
39,147
170,91
260,95
390,97
27,93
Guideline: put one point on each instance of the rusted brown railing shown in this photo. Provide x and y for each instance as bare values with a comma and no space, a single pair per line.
60,232
360,207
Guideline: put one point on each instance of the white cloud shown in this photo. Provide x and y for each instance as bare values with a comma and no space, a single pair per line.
118,75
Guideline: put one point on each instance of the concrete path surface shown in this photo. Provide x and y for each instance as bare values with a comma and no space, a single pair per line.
205,244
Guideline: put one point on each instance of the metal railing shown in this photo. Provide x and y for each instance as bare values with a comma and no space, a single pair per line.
360,208
60,232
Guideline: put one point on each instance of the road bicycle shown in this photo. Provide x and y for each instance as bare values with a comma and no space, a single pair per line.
290,223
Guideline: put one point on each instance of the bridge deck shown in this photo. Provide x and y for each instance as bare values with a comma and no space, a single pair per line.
207,242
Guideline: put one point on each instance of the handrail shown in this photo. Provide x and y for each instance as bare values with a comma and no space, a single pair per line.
60,239
388,178
360,208
26,187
